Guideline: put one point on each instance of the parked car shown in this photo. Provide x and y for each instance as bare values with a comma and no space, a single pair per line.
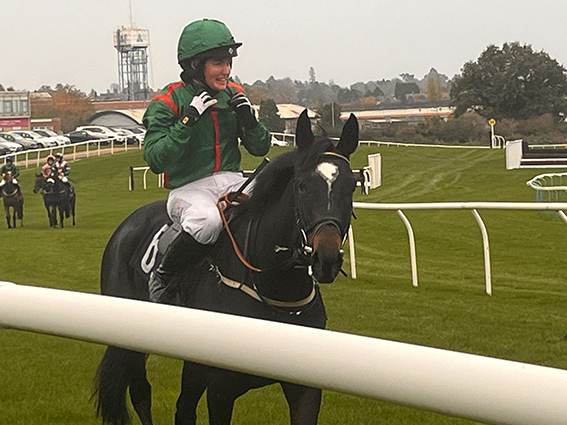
60,138
139,132
131,138
4,150
44,142
276,142
13,146
79,136
16,138
99,130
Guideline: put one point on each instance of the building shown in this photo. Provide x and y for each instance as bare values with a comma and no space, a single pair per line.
129,114
14,110
409,116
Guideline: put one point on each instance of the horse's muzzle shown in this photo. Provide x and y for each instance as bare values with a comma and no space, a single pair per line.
327,255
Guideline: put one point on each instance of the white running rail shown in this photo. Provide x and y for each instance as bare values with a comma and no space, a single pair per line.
473,206
469,386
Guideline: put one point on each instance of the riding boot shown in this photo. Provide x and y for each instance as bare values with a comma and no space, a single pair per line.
182,254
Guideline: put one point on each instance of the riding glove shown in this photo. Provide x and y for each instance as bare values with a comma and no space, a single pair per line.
200,103
240,103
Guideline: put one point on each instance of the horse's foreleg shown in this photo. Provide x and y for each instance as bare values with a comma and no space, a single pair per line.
222,392
61,215
304,403
193,385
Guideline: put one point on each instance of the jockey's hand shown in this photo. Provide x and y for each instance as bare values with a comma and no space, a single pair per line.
200,103
240,103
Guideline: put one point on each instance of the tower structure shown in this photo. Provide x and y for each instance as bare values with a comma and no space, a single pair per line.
132,45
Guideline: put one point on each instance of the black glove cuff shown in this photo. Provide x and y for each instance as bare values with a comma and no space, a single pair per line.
190,117
246,118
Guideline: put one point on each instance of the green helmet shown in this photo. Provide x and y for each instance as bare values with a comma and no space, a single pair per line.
204,35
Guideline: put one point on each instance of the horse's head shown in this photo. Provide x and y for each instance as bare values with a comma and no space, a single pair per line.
38,183
8,176
323,189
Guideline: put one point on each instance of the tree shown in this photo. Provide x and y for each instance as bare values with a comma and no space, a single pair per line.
330,114
403,89
511,82
69,104
434,87
269,116
312,77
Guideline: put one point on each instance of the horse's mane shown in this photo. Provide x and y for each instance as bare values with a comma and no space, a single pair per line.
271,183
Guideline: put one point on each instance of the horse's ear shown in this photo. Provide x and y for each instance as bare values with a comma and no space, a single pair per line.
303,134
349,137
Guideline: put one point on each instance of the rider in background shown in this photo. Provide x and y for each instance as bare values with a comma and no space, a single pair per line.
48,167
61,168
192,134
10,167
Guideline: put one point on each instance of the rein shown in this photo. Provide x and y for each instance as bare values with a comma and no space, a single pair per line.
9,194
231,199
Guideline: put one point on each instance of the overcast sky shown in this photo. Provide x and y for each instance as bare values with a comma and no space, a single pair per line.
71,41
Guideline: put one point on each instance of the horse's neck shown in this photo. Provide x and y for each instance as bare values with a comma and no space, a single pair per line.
269,240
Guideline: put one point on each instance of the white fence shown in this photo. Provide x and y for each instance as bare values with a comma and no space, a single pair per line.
469,386
550,187
473,206
74,151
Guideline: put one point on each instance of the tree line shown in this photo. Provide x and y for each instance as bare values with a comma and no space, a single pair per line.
523,89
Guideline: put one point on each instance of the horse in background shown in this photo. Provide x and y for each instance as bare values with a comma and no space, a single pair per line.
58,198
13,200
277,247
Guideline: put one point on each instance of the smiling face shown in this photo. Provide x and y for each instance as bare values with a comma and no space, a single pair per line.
217,73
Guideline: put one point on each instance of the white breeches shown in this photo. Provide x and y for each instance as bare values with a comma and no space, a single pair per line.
194,205
3,182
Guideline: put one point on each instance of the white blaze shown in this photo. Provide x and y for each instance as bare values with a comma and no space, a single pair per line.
329,172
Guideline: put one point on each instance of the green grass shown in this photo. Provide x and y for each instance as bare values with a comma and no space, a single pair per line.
47,380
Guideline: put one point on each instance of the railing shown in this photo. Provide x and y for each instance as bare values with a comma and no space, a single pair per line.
36,157
549,187
473,206
469,386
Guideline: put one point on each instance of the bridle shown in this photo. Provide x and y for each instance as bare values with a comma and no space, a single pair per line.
305,230
301,256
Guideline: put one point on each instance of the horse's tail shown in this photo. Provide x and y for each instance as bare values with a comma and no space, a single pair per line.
118,369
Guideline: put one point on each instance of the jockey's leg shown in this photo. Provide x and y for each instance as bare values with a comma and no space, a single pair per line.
2,183
184,253
18,188
194,207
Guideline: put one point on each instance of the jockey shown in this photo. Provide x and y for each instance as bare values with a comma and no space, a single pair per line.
61,168
10,168
192,134
48,167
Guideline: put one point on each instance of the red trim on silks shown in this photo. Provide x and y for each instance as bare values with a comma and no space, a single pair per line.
215,116
165,180
238,88
166,98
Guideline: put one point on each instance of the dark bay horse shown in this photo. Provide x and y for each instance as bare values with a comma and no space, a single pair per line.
289,235
13,200
58,197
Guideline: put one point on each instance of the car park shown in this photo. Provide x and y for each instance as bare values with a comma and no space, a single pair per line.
43,142
16,138
105,132
60,138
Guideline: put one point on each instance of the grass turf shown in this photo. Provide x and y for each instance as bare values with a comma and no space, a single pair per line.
48,380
